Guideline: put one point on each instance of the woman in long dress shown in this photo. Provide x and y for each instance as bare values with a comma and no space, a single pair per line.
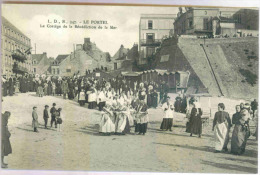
221,126
241,131
195,124
6,148
107,127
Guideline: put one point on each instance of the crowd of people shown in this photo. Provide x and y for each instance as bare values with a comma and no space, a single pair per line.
124,104
222,124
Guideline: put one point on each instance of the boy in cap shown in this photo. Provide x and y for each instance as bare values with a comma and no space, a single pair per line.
35,119
45,115
53,115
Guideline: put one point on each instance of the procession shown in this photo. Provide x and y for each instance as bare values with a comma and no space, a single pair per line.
164,89
124,107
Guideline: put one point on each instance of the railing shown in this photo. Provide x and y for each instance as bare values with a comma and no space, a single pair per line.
19,56
151,42
19,69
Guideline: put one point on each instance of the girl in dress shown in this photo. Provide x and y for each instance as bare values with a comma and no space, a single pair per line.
107,127
59,119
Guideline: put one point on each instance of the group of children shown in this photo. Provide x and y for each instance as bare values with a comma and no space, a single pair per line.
56,117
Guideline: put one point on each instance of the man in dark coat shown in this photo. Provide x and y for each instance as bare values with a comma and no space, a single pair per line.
53,115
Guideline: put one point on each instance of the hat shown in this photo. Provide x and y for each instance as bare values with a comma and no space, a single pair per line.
247,106
34,107
54,104
46,106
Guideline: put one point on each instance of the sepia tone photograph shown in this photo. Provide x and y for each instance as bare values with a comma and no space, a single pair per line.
129,88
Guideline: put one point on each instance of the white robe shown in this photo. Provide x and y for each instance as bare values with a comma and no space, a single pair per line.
169,112
106,124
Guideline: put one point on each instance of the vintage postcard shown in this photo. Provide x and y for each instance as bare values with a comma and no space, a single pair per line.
129,88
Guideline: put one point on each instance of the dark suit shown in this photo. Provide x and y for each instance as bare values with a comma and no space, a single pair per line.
45,117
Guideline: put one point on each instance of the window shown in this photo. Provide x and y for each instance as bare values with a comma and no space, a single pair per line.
237,18
68,70
115,66
150,24
150,37
53,71
150,51
58,71
34,70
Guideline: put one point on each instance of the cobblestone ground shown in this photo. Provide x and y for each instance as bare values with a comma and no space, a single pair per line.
80,147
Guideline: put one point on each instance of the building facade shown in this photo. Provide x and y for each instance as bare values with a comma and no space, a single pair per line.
152,29
86,58
55,64
41,64
16,55
216,21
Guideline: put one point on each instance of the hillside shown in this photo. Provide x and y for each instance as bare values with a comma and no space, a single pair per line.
224,67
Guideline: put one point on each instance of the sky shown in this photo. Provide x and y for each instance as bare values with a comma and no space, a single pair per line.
28,18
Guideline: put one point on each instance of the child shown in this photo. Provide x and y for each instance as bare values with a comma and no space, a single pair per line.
45,88
35,119
82,98
53,115
59,119
40,89
45,115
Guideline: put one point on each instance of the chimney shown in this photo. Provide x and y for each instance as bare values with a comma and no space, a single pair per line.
86,40
79,47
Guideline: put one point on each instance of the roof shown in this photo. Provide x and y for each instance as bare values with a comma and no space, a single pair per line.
131,74
121,52
8,24
60,58
38,57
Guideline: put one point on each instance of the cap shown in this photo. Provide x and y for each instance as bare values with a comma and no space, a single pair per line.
46,106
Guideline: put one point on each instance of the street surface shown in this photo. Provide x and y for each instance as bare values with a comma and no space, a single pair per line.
80,147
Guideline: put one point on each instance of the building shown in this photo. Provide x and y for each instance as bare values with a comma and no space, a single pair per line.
86,58
216,21
152,29
41,64
15,54
55,64
119,57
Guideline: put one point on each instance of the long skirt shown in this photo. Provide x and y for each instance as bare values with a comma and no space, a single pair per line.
106,124
127,127
166,123
81,102
142,128
221,134
239,139
137,126
149,100
196,125
6,147
92,105
120,123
